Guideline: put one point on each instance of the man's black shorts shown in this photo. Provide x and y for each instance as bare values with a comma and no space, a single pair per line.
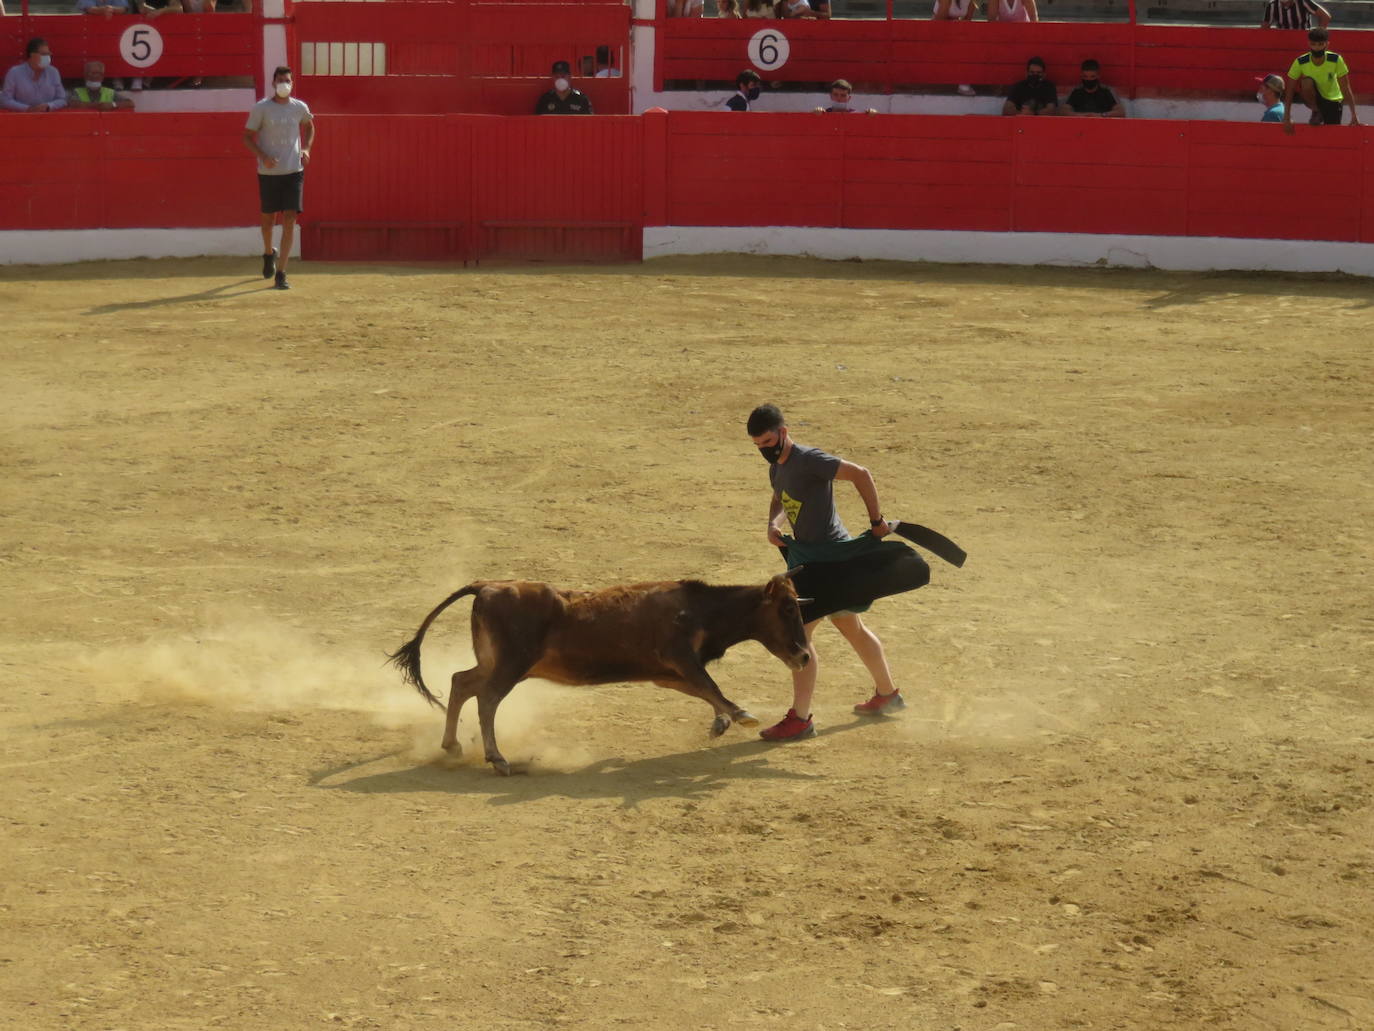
281,192
1330,110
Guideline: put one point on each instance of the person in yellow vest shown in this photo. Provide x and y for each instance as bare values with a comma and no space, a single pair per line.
94,95
1321,78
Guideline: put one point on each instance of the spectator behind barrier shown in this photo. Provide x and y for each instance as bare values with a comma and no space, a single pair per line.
958,10
93,94
793,9
1270,94
728,9
563,99
1091,99
840,93
34,84
105,7
758,9
1294,14
603,64
685,8
1033,95
1013,10
748,85
1323,81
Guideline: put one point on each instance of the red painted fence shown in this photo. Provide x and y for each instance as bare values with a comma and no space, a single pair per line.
188,44
469,187
458,55
895,54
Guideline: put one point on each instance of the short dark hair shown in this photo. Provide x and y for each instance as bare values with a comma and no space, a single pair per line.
1090,66
36,44
842,84
1036,60
764,419
1317,35
281,70
747,76
603,54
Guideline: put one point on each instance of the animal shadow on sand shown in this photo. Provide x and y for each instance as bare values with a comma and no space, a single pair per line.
683,775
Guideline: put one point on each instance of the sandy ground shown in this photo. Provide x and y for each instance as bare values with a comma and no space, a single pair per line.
1131,789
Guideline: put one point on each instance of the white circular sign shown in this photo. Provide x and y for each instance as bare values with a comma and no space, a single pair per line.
769,50
141,46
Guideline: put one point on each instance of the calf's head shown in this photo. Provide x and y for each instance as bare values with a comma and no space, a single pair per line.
779,621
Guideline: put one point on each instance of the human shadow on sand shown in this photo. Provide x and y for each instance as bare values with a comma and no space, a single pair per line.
218,293
682,775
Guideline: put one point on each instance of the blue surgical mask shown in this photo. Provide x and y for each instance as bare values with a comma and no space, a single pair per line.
44,61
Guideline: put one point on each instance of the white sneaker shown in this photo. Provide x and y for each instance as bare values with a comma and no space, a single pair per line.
965,90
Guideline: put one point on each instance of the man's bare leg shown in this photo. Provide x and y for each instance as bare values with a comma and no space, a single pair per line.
867,646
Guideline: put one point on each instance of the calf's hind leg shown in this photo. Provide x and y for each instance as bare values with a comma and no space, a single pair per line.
466,683
497,686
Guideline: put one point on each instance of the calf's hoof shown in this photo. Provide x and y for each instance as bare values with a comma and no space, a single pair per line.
500,766
453,748
720,725
746,719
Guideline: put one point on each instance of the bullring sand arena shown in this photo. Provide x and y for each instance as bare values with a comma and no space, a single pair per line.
1131,788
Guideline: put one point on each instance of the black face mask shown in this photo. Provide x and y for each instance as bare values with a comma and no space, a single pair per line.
1318,53
1090,84
1034,76
772,453
753,93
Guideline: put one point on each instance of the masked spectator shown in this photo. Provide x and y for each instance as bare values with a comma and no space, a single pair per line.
563,99
1270,94
1294,14
840,94
1033,95
1091,99
93,94
34,85
1322,79
1013,10
748,86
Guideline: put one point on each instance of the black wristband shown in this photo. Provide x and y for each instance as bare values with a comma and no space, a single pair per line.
875,522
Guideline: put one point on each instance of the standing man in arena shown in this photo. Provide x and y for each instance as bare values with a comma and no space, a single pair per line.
273,133
1322,79
803,492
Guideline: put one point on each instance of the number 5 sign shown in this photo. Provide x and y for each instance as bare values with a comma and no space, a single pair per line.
140,46
769,50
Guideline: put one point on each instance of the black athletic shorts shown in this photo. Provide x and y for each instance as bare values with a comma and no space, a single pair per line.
1330,110
281,192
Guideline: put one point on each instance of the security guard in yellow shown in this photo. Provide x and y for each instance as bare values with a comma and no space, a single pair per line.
1323,80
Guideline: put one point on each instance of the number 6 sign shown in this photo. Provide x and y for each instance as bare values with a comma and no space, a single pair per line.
140,46
769,50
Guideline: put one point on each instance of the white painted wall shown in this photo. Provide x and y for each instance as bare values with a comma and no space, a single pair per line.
58,246
1164,252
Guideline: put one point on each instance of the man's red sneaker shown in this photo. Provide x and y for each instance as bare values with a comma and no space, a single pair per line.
790,728
881,705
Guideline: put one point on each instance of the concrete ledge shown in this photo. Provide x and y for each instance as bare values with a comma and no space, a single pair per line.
1165,252
57,246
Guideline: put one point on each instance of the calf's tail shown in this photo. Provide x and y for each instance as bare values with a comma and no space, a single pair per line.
407,657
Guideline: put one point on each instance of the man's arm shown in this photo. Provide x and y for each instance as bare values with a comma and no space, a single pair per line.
1323,15
774,527
1033,10
1289,86
1349,94
863,483
7,98
250,140
1118,110
308,142
1009,107
57,93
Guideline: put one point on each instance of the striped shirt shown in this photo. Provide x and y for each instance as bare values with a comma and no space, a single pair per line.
1297,15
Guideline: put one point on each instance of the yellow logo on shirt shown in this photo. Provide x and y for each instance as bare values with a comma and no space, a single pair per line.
792,507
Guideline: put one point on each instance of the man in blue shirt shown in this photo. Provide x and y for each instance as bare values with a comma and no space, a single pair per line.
34,85
1270,94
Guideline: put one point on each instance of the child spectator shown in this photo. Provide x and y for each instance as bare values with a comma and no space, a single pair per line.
34,85
747,89
1270,94
1033,95
840,93
1294,14
1091,99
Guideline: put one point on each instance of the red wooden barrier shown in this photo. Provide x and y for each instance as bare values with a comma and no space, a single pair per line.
1157,178
907,53
191,44
468,187
91,170
459,56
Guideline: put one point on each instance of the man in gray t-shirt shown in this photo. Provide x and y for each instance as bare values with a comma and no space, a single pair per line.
273,133
803,491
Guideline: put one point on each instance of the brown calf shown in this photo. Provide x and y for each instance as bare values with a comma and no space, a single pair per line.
665,632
